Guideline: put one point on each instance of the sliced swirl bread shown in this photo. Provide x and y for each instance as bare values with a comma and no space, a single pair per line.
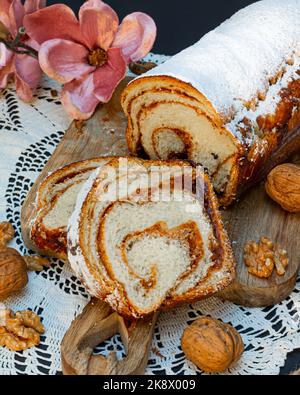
55,203
147,235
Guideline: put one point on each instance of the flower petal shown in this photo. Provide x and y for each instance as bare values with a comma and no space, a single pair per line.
5,55
107,77
99,23
6,65
4,12
16,15
5,73
24,91
64,60
78,98
136,36
34,5
56,21
28,75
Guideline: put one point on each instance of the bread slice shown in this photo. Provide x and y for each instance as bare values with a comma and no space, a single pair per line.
230,102
147,235
55,203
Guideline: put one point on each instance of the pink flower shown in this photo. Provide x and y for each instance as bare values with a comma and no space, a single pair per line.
23,67
88,56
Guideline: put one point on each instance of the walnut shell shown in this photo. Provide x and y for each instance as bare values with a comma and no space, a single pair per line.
283,186
13,272
212,345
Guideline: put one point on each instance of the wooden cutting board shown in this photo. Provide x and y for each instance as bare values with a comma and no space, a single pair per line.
255,215
93,326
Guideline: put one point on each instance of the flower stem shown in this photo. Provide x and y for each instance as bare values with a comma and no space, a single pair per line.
17,46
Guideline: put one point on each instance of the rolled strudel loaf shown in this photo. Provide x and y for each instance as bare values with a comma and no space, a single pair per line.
147,235
231,102
55,203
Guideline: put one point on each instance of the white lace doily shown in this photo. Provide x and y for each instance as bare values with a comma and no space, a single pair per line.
29,134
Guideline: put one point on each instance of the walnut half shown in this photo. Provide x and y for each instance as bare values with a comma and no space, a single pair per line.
20,331
261,258
7,233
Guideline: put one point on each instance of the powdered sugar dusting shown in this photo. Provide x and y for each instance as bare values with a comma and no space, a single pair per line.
270,103
236,60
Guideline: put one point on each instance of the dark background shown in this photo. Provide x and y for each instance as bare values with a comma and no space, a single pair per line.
180,23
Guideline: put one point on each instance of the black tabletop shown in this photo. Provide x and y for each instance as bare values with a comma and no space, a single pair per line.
181,23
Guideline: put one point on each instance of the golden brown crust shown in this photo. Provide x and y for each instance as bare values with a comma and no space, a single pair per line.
49,242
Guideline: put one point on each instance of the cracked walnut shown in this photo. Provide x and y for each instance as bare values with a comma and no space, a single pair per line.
20,331
261,258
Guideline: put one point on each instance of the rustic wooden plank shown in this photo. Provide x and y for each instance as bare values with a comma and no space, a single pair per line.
96,324
256,215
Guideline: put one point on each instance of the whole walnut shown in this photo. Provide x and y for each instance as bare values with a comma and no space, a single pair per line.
13,272
212,345
283,186
14,267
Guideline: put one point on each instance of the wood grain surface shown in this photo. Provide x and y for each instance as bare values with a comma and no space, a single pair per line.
93,326
255,215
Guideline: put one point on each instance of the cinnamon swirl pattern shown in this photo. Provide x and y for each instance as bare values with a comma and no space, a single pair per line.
231,102
56,198
147,235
